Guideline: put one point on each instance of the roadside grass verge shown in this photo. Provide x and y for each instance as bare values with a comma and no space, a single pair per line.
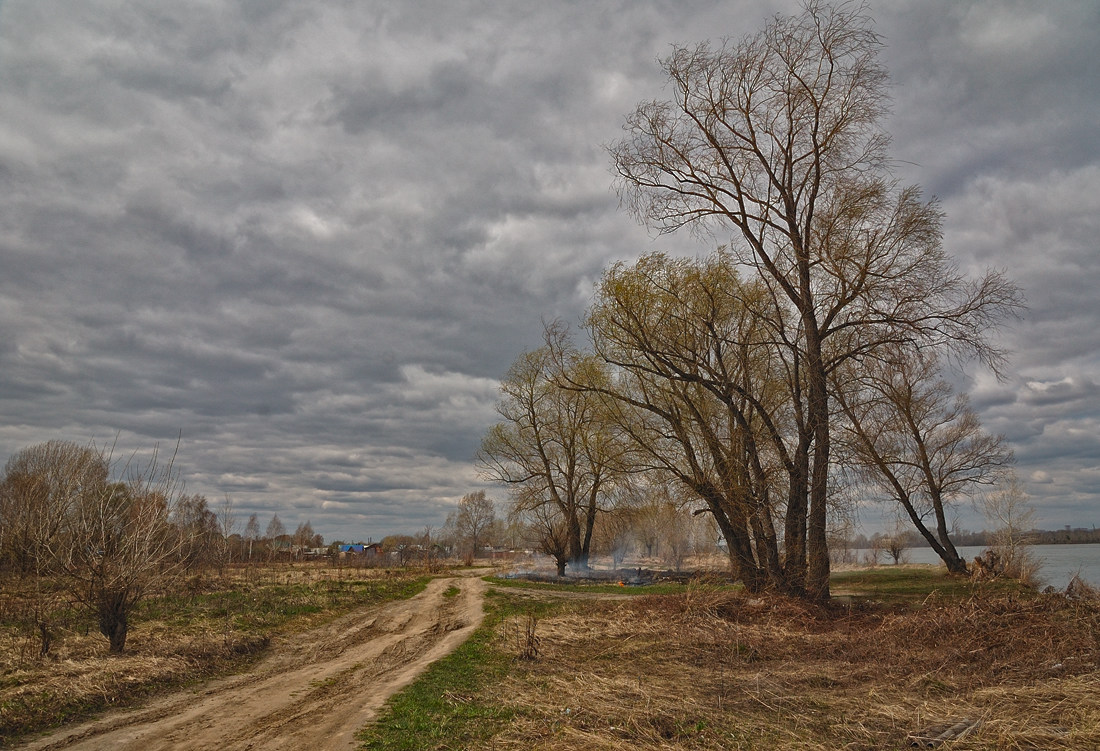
449,706
210,626
713,669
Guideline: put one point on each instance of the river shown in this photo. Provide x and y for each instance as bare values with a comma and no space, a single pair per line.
1059,563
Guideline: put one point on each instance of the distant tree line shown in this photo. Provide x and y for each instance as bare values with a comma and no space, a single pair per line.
984,538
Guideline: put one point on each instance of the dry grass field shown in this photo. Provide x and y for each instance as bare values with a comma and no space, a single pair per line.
210,625
899,653
714,668
721,672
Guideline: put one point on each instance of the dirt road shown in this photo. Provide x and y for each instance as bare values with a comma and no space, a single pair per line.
315,691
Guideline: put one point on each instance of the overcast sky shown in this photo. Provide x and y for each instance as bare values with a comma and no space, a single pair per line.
312,236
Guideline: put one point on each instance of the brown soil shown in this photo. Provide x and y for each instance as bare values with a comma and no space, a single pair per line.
314,691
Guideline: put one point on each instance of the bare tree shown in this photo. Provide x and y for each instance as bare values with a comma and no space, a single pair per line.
473,520
252,533
431,551
919,442
405,548
118,544
895,543
548,529
275,530
1009,510
42,486
555,446
615,532
305,537
198,525
874,550
676,533
777,138
895,547
227,523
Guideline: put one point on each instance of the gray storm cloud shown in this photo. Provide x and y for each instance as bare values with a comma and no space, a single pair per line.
311,238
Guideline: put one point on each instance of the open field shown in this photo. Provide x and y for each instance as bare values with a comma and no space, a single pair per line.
213,625
905,651
561,666
312,691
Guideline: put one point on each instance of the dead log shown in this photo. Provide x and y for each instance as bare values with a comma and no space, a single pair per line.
939,734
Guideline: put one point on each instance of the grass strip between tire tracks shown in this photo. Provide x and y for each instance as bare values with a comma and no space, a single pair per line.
443,708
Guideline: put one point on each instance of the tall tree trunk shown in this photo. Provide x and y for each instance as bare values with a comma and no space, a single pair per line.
589,525
955,563
560,562
575,549
943,546
767,547
817,549
734,530
794,531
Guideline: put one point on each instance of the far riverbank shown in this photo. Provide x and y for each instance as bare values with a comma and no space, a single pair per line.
1059,563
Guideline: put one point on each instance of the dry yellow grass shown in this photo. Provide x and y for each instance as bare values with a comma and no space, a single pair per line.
710,670
206,626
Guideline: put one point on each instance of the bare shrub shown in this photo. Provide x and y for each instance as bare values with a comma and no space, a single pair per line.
108,543
1009,509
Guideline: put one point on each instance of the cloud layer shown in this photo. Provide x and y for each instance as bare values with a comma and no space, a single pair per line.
311,238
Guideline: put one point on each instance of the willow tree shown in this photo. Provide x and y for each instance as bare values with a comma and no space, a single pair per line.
776,140
554,446
695,393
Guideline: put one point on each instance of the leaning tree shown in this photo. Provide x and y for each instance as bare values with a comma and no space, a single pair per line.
914,439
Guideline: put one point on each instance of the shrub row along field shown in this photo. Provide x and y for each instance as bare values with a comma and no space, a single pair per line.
55,665
716,668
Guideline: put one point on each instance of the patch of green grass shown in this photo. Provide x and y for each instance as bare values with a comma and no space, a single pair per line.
911,585
443,709
451,592
262,608
664,588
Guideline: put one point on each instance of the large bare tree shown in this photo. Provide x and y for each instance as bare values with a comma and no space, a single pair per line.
777,139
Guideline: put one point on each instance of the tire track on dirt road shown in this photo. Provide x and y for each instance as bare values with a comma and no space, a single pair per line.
314,691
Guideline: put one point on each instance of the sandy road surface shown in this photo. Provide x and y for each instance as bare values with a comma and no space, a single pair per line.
315,691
